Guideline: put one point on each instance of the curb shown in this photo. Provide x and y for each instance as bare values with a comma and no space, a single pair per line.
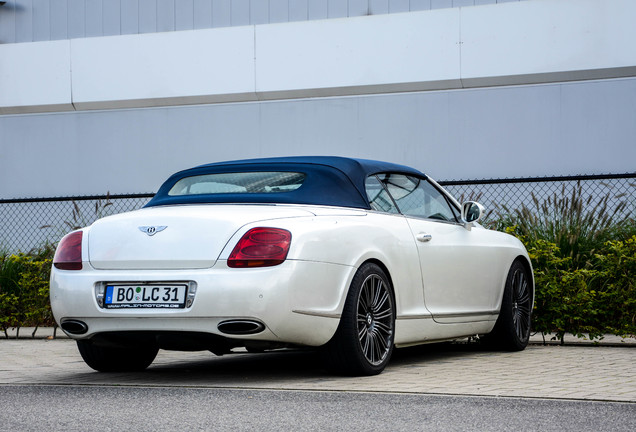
33,333
607,340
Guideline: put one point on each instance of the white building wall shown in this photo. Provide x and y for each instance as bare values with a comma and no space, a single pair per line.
458,93
514,43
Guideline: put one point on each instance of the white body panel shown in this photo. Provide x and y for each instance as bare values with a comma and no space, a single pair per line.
191,242
301,300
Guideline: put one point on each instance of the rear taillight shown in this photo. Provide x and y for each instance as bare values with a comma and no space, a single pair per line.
68,255
260,247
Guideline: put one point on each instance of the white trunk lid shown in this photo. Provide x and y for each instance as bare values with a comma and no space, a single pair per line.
193,237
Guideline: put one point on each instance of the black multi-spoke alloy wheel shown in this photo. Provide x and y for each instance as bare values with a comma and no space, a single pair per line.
363,343
512,330
116,359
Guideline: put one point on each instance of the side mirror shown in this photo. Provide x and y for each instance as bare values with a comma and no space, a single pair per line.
472,213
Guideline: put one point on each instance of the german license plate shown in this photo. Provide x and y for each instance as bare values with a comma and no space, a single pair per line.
145,296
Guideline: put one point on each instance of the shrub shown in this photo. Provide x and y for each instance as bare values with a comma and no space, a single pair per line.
24,289
596,300
583,256
616,285
10,307
579,226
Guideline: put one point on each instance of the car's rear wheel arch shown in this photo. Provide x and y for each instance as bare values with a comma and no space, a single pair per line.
386,272
364,340
528,267
523,260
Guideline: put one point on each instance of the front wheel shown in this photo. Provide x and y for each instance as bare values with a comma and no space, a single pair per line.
512,330
116,359
363,342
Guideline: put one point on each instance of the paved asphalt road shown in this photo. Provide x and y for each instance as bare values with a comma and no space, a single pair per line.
44,385
99,408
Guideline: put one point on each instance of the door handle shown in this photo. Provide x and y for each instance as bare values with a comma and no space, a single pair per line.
423,237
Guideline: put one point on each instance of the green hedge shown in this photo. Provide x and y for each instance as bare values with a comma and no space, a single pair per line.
24,290
583,250
594,298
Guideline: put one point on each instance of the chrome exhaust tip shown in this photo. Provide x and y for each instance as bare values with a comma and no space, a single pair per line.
240,327
75,327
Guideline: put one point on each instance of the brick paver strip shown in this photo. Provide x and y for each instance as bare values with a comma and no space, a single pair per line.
568,372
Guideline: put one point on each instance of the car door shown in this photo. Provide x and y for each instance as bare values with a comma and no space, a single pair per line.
459,267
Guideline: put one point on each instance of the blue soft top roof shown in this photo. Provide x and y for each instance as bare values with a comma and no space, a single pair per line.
330,180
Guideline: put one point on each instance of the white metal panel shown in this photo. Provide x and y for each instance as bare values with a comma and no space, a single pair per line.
298,10
24,25
147,16
358,8
94,17
203,14
111,19
414,51
547,41
278,11
464,3
7,24
35,77
418,5
59,20
165,15
221,12
164,68
317,9
41,22
240,12
337,8
259,12
397,6
129,17
76,18
184,15
378,7
438,4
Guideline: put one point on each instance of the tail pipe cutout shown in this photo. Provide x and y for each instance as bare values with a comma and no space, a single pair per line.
240,327
75,327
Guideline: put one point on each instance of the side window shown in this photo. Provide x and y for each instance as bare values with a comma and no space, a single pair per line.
378,197
417,197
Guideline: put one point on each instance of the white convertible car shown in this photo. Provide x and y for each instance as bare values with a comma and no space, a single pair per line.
353,257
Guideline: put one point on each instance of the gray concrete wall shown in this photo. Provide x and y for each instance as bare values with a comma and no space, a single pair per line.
572,128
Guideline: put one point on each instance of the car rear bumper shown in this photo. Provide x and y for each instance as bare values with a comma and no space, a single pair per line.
297,302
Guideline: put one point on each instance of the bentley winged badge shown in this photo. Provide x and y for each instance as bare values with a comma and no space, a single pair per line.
152,230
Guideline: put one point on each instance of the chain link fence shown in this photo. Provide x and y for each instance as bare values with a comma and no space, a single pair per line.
617,191
26,224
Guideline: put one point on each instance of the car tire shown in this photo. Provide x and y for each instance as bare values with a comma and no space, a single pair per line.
363,342
116,359
512,329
